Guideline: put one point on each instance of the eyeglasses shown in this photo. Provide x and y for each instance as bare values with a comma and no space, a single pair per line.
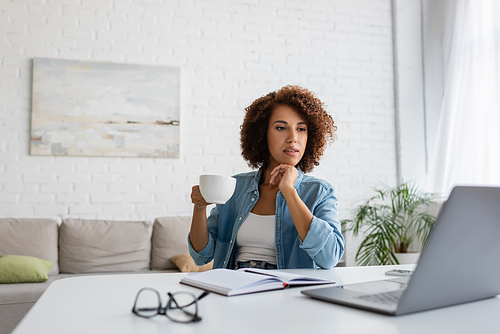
181,307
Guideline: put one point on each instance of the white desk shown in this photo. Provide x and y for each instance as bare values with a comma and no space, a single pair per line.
102,304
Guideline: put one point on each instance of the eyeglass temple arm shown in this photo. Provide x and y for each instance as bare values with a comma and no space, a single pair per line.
147,308
204,294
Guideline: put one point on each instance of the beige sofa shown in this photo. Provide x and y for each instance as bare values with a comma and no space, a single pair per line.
86,247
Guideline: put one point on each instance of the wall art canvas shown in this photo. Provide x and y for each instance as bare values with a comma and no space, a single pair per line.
82,108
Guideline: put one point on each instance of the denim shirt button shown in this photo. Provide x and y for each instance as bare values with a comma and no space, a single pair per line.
253,199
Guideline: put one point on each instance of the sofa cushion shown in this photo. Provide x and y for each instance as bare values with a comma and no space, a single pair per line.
87,246
23,269
26,293
30,237
169,239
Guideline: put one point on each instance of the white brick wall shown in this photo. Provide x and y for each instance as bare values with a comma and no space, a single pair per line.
230,52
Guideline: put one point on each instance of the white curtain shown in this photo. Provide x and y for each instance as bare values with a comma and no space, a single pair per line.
467,147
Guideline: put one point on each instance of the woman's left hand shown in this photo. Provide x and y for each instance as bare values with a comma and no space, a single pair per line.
285,176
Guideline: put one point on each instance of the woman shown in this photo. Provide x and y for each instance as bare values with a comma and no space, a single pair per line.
277,217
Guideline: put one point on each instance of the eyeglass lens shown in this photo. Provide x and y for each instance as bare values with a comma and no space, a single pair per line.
147,303
182,307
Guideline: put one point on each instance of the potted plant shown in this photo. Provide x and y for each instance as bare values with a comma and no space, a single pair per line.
390,221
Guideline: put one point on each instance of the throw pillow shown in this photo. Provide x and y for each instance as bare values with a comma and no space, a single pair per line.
23,269
185,263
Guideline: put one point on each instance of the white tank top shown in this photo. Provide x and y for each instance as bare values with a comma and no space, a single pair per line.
256,240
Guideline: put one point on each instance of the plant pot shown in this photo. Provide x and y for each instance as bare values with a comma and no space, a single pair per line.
407,258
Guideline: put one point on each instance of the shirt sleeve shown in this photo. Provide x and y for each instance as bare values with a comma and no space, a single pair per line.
324,242
206,255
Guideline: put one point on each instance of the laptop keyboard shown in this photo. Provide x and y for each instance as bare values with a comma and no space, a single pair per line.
388,298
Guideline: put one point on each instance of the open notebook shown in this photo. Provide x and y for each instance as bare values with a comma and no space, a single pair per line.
229,282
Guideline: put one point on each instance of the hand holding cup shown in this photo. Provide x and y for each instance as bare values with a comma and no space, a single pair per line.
197,198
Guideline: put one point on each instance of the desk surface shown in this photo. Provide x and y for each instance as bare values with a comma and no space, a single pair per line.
102,304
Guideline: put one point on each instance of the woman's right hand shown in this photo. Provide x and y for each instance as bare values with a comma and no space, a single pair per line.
197,199
198,234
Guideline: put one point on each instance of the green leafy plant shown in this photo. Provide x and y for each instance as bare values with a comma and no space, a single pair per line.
390,222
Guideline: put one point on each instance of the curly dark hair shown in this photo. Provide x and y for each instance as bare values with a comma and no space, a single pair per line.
253,132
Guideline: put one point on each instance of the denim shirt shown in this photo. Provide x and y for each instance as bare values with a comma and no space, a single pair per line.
323,246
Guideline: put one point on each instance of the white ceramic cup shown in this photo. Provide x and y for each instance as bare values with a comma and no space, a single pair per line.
217,189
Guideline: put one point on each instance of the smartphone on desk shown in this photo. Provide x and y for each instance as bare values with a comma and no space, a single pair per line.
399,272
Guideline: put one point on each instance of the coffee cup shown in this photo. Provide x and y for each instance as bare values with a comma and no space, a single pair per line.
217,189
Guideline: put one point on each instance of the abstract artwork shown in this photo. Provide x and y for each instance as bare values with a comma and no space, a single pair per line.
82,108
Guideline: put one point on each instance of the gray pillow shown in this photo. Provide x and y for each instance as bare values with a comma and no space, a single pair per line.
87,246
169,239
30,237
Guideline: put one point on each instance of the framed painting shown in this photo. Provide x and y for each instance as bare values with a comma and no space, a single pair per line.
82,108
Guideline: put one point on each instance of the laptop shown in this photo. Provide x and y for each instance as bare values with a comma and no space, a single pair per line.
458,264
